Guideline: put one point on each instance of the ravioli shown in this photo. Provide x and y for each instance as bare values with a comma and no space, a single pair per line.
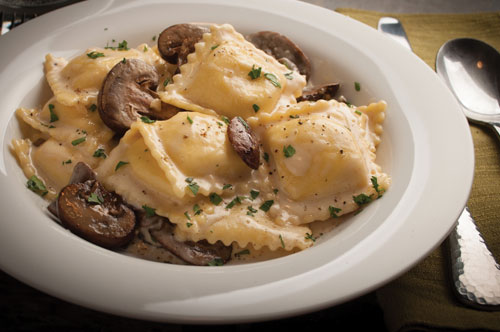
216,78
322,155
78,81
187,161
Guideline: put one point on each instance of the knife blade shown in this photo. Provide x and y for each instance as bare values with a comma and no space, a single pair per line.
393,28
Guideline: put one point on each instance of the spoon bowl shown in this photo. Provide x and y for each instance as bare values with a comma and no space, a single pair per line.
471,69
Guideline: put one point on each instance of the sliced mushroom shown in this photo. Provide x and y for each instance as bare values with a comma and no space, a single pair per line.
196,253
126,95
95,214
244,141
280,46
326,92
81,173
177,41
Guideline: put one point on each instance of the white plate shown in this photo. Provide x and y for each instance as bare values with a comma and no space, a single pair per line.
426,148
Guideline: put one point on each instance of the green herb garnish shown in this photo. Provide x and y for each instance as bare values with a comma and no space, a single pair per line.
197,210
165,82
255,72
266,157
243,252
66,162
357,86
215,199
95,55
53,115
95,199
145,119
282,242
273,79
288,151
255,107
78,140
123,46
214,47
266,205
289,76
99,153
150,212
187,215
36,185
254,194
225,119
93,107
375,185
362,199
310,237
358,112
189,119
334,211
236,200
120,164
227,186
216,262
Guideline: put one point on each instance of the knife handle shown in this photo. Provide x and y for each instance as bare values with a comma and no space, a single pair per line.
476,274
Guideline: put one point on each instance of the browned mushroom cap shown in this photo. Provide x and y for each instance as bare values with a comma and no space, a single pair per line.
81,173
126,94
177,41
244,142
196,253
90,211
326,92
280,46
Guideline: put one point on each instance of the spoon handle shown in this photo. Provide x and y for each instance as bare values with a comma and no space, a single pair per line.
475,272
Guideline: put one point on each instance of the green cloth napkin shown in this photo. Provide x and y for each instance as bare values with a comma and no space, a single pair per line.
422,299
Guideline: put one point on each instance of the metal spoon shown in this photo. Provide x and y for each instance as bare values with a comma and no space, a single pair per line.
471,69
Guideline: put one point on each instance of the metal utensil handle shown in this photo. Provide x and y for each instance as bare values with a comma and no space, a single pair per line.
476,274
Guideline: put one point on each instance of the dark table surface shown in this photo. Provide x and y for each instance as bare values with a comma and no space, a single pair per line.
23,308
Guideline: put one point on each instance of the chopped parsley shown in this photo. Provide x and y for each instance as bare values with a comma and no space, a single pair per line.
251,211
254,194
294,116
273,79
145,119
288,151
145,48
189,119
225,119
197,210
266,205
214,47
95,55
193,186
310,237
243,252
358,112
99,153
362,199
334,211
53,115
66,162
95,199
124,60
255,72
36,185
275,191
187,215
266,157
357,86
123,46
227,186
153,38
150,212
120,164
215,199
165,82
289,76
216,262
188,224
255,107
79,141
282,242
236,200
93,107
375,185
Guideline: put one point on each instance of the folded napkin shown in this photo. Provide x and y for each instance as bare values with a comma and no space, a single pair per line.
422,299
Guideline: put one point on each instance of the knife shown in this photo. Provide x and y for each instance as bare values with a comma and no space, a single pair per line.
475,273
